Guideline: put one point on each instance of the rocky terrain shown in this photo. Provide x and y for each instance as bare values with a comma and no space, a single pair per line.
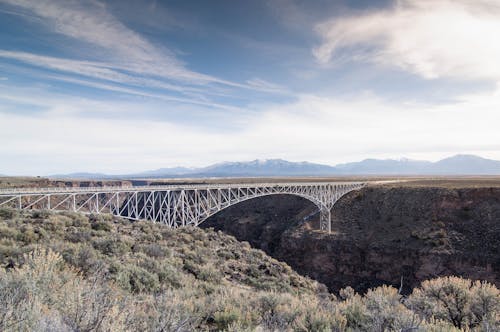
381,235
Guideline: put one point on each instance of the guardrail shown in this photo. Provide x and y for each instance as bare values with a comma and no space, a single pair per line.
63,190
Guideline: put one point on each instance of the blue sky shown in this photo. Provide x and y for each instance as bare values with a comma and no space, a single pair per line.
125,86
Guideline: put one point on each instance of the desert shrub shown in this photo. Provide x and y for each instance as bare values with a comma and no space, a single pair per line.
7,213
227,318
27,235
316,320
196,255
44,292
439,326
75,219
76,235
191,267
485,306
8,232
56,223
386,312
136,279
458,301
153,250
18,310
85,258
111,246
209,274
225,254
170,277
41,214
276,311
354,310
166,311
101,226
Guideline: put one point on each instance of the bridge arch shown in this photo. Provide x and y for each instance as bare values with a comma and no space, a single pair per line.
313,200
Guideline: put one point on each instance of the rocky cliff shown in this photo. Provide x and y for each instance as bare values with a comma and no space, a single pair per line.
381,235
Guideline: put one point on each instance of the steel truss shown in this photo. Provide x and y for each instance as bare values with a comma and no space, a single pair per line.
174,206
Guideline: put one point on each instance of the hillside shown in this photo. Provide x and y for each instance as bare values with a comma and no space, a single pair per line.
69,272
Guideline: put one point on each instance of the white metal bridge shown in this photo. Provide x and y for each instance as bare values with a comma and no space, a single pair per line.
172,205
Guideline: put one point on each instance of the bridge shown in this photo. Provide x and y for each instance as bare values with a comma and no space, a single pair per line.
172,205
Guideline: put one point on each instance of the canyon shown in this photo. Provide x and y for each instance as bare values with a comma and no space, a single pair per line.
398,235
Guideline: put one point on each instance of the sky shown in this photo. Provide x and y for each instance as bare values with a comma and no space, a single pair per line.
126,86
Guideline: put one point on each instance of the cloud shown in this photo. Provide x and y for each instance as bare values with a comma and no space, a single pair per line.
92,23
66,137
431,38
125,50
263,85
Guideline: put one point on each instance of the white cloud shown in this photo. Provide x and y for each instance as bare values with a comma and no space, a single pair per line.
313,128
431,38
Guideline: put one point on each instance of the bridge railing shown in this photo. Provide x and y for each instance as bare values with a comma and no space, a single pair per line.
62,190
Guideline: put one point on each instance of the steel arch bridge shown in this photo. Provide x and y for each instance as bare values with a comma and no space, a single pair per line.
172,205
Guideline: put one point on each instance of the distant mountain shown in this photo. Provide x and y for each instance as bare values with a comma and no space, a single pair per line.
270,167
456,165
384,167
81,175
466,164
165,171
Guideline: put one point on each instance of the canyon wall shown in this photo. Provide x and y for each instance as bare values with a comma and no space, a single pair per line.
381,235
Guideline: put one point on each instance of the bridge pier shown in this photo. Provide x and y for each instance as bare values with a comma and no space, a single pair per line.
325,222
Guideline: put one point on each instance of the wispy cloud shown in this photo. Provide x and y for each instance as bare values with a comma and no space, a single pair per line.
431,38
263,85
98,70
90,22
139,92
112,51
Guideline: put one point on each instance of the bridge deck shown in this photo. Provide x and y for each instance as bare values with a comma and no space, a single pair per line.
101,189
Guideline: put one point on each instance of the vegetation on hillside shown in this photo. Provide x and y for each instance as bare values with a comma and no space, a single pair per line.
70,272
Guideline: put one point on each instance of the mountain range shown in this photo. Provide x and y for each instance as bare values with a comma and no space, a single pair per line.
456,165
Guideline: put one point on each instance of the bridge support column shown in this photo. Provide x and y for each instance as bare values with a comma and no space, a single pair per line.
325,223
